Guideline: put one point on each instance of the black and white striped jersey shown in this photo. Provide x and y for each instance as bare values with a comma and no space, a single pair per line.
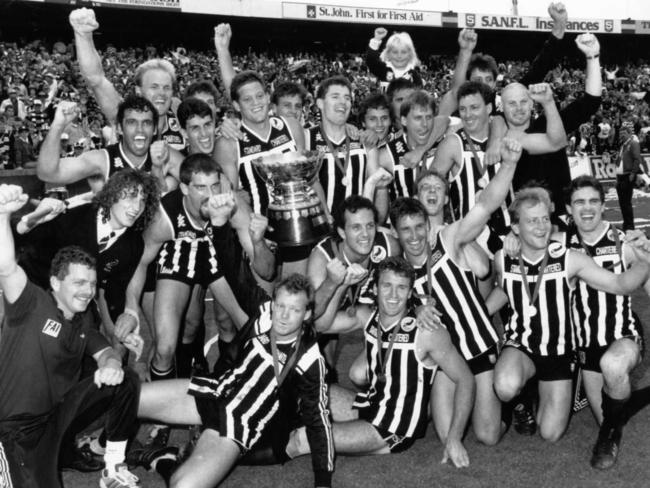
468,182
601,318
336,185
456,295
116,161
331,247
404,178
398,402
545,327
190,253
278,140
248,392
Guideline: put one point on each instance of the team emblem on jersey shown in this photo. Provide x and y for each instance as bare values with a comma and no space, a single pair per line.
399,147
118,163
180,221
378,254
408,324
52,328
390,76
277,123
556,249
173,124
245,138
575,240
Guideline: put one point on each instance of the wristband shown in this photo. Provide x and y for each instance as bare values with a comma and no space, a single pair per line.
594,56
134,314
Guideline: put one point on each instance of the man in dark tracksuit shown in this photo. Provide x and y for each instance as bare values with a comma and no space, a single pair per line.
44,339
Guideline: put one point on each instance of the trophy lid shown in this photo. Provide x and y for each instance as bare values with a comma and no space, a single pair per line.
288,166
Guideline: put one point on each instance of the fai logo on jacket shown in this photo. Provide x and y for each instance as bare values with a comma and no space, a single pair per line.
52,328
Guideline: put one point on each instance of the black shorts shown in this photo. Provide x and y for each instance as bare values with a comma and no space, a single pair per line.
589,358
483,362
212,413
549,368
396,443
190,262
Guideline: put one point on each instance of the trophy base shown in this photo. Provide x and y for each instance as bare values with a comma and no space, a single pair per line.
299,226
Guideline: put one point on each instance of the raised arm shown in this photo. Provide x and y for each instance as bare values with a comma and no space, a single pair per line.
589,45
555,137
222,36
225,154
374,62
12,277
51,168
469,227
83,23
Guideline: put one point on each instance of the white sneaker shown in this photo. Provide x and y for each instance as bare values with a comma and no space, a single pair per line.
121,478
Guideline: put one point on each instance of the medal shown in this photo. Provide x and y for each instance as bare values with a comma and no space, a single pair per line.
532,310
381,378
351,311
482,183
345,181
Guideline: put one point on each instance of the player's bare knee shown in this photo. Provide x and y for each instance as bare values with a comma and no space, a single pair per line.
551,432
178,480
615,366
358,376
506,387
488,434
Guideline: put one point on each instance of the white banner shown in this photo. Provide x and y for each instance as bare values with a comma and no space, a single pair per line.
501,22
374,15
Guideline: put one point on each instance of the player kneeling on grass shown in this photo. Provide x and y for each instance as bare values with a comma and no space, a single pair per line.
402,361
272,376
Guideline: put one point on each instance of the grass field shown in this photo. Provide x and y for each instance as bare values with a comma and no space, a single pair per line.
515,462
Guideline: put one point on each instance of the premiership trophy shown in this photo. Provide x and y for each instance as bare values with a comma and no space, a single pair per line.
295,213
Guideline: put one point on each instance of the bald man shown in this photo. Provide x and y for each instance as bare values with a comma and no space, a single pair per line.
551,168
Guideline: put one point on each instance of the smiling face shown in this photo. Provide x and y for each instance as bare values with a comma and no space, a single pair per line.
474,113
412,232
534,226
432,193
400,55
335,106
586,209
199,132
378,121
418,125
128,208
157,87
517,105
359,232
393,292
289,106
75,291
198,191
289,311
137,132
253,102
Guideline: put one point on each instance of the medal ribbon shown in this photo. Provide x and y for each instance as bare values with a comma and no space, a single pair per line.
281,372
381,359
335,154
482,168
538,284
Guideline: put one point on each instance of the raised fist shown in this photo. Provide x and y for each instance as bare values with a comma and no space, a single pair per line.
66,112
558,12
369,139
380,33
541,93
159,151
83,21
257,227
222,36
336,271
381,177
221,207
12,198
588,44
510,151
467,39
355,273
